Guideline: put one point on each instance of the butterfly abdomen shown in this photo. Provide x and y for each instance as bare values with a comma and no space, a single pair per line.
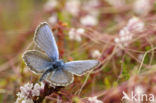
46,73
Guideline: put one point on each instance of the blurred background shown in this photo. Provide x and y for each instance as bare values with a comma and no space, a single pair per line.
121,34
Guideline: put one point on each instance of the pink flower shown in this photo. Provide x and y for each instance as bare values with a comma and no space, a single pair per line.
28,91
116,3
134,25
37,88
89,20
91,5
50,5
139,90
75,34
73,7
53,19
96,54
143,7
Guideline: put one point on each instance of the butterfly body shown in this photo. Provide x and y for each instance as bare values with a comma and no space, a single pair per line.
55,66
59,64
53,70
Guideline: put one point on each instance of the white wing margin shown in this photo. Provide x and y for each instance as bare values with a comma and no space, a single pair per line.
45,40
80,67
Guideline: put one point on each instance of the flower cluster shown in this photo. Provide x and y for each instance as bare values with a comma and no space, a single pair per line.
50,5
96,54
75,34
135,25
28,91
52,19
139,90
91,5
143,7
94,100
89,20
73,7
77,9
116,3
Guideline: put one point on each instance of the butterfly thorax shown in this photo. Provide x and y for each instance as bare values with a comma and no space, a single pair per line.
57,64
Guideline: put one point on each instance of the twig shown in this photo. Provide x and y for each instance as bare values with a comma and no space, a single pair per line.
142,62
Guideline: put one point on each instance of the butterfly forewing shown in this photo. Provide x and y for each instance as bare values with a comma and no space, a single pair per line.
36,61
80,67
60,78
46,41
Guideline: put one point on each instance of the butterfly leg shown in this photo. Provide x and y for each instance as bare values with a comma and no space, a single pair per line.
49,69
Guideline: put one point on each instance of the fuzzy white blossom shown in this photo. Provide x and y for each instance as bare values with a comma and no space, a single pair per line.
53,19
139,90
96,54
124,37
75,34
134,25
73,7
91,5
143,7
50,5
116,3
89,20
27,101
27,91
80,30
37,88
94,100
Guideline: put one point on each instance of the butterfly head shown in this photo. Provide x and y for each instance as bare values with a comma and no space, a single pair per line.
58,64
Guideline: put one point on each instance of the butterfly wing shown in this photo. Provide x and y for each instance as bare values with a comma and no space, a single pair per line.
60,78
36,61
45,40
80,67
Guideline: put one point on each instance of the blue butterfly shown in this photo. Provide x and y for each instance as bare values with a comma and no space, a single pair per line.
53,70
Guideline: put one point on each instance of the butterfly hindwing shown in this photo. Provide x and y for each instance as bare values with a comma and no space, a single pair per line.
36,61
80,67
60,78
45,40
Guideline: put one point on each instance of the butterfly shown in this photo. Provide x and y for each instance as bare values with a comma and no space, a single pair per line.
47,63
